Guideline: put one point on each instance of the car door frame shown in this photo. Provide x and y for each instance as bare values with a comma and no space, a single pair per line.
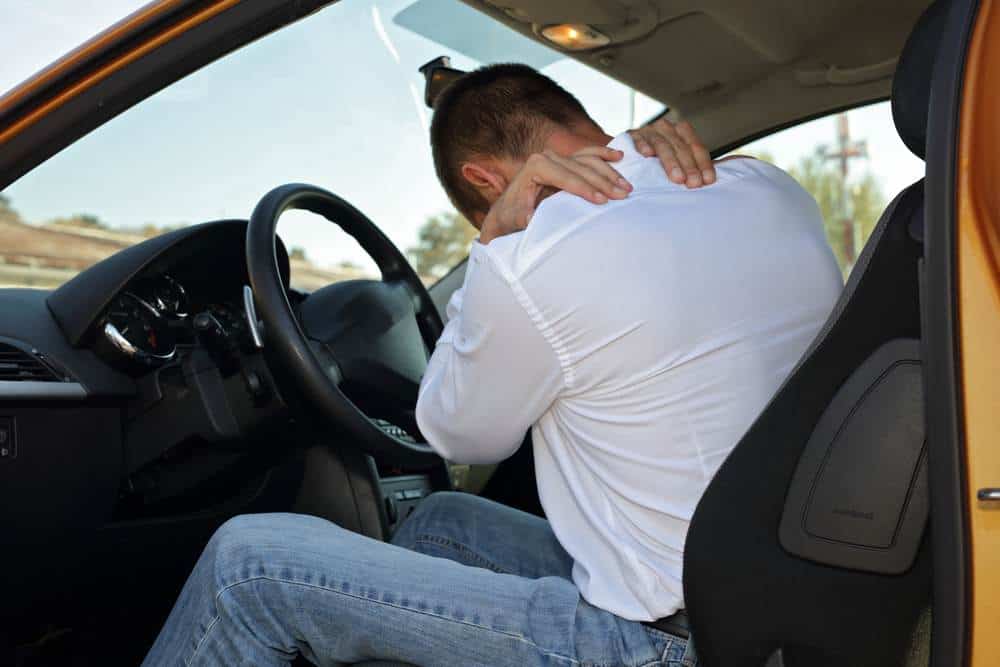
959,636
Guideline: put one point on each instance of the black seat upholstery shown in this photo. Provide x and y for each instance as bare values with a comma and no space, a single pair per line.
786,561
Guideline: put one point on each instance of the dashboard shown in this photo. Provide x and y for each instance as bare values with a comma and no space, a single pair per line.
160,329
114,405
188,295
166,280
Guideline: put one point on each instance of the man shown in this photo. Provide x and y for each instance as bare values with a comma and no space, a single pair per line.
636,326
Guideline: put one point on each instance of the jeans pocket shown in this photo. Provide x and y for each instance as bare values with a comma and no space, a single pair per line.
674,651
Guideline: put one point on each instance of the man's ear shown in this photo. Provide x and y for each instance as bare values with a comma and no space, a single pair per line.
490,182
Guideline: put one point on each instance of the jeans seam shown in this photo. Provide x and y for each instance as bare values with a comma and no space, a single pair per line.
226,589
462,548
208,630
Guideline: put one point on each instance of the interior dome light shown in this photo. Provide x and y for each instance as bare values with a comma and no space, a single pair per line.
575,36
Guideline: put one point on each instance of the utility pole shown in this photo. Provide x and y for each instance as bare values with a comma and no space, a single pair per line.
846,149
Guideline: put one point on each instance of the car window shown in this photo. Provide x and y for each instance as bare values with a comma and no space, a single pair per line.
853,163
335,100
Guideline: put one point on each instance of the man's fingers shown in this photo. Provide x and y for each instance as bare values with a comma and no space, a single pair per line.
598,173
686,157
664,150
601,183
681,150
702,157
608,173
641,145
551,171
660,134
597,157
606,153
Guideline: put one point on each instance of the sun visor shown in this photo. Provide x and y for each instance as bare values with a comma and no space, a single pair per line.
464,30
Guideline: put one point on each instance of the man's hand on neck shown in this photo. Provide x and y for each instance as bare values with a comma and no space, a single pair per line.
586,173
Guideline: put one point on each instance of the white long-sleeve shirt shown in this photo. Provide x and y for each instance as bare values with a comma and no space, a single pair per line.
638,340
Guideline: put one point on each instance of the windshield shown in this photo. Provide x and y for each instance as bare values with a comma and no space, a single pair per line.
334,100
42,30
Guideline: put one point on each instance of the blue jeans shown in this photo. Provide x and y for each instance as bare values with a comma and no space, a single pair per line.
465,582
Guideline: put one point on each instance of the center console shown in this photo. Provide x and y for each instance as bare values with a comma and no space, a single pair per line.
401,495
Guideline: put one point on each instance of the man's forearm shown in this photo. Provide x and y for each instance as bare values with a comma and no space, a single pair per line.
492,374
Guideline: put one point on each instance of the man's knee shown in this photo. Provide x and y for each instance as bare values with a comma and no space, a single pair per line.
444,502
445,506
241,547
442,514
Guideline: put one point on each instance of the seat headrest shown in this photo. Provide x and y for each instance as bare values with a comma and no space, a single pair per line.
911,85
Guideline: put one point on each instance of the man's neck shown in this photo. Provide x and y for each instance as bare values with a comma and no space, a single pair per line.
567,140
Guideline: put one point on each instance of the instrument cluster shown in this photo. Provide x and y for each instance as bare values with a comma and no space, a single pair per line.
145,325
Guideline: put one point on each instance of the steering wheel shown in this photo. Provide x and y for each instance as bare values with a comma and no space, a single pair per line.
371,335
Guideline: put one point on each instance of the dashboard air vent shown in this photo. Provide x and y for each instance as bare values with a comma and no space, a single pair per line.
16,365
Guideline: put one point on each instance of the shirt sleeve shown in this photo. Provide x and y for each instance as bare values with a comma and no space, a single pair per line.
492,373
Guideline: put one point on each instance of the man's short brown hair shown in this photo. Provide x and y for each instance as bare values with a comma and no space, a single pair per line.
495,111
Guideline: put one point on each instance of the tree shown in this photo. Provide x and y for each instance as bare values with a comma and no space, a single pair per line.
442,242
865,203
297,252
88,220
7,212
149,230
80,220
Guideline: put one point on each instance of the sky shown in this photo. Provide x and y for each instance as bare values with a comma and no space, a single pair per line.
334,100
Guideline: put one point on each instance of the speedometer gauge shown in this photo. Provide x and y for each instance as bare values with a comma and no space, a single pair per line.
171,299
135,330
163,293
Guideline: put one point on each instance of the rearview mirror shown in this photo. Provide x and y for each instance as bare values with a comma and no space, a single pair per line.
438,74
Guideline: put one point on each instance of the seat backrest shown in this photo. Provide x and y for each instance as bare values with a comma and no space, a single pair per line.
808,548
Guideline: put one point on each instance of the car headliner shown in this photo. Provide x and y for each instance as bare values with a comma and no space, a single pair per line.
736,68
733,68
